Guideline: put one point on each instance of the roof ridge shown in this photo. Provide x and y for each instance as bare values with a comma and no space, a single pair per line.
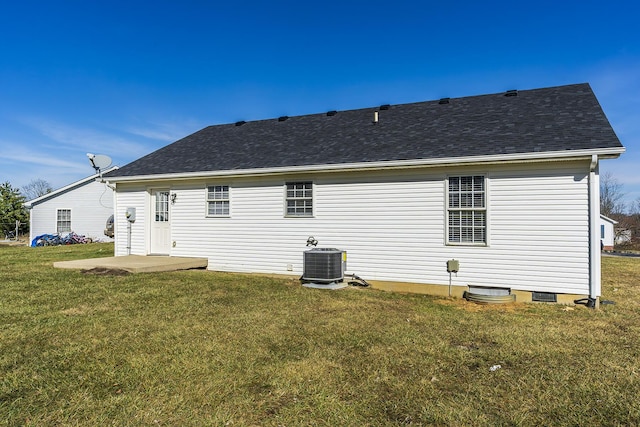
553,119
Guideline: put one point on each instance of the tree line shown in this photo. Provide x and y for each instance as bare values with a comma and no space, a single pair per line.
12,211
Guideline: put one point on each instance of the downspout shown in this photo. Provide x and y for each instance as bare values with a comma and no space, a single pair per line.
595,284
116,240
115,216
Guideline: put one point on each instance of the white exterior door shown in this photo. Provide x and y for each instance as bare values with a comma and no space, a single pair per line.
160,223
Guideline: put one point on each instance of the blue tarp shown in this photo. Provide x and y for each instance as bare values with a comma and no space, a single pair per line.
55,239
36,239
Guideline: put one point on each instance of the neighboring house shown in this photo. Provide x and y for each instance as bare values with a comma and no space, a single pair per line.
607,233
623,236
507,184
82,207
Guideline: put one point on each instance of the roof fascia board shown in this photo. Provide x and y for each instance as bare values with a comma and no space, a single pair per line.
606,218
54,193
393,164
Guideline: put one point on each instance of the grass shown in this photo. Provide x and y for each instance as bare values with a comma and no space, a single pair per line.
196,348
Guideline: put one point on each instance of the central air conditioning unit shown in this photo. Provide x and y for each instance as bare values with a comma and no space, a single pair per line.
324,265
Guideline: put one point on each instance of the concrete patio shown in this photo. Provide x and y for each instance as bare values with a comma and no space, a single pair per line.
136,263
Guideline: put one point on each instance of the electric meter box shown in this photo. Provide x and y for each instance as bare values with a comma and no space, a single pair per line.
453,265
131,214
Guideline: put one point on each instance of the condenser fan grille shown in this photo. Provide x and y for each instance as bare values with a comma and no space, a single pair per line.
323,265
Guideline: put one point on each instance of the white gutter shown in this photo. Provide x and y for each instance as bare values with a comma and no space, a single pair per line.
392,164
595,283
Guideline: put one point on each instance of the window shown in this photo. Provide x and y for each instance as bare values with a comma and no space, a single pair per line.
299,199
602,231
467,210
218,200
162,206
64,221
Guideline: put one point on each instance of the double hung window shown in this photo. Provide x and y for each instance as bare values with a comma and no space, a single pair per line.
218,200
467,210
299,199
64,221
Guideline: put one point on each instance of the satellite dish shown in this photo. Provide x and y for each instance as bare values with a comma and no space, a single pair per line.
99,161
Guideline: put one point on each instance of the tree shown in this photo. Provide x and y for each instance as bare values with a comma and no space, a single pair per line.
611,196
635,208
627,230
36,188
11,209
634,223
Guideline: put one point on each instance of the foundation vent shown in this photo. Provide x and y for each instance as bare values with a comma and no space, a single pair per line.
544,297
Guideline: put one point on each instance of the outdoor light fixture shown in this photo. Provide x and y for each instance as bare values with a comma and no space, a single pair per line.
174,196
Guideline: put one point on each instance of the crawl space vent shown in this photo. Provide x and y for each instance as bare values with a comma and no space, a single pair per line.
544,297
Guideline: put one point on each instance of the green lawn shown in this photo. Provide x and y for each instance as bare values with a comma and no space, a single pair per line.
197,348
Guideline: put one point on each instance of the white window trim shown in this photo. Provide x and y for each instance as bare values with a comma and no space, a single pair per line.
207,200
485,210
313,201
58,221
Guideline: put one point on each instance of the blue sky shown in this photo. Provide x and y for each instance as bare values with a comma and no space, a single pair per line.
126,78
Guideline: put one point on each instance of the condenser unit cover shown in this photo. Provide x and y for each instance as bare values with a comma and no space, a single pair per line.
323,265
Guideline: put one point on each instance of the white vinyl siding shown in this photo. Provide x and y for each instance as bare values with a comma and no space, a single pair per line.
90,204
218,200
539,230
299,199
138,198
392,223
607,233
63,222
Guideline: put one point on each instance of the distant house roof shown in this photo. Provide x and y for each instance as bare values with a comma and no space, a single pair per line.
607,219
551,120
55,193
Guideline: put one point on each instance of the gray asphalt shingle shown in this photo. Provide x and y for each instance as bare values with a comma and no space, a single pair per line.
539,120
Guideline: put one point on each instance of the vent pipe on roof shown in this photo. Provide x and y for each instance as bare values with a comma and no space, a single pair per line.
375,117
332,113
511,92
240,123
384,107
443,101
282,118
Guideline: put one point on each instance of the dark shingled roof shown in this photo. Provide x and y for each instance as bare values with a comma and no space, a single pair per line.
563,118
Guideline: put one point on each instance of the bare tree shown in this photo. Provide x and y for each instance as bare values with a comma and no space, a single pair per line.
611,196
635,208
627,230
36,188
634,222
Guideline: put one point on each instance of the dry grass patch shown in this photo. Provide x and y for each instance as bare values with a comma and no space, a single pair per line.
462,304
196,348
